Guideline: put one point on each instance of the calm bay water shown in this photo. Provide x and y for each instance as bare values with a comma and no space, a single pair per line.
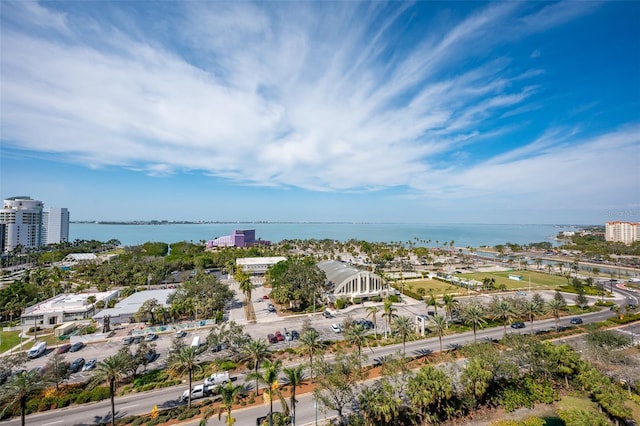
463,235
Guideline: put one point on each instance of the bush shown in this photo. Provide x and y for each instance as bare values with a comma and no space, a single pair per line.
138,421
357,300
376,299
227,365
92,395
340,303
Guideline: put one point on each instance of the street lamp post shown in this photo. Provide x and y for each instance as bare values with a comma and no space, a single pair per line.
315,406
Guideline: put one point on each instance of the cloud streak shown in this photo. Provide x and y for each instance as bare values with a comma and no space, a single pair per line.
325,97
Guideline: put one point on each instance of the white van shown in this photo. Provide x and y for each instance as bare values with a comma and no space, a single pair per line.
217,379
37,350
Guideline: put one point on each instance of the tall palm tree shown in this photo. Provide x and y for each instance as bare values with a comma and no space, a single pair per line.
356,335
555,307
503,310
473,314
310,343
372,311
450,303
269,378
432,301
404,327
256,351
228,396
532,308
18,389
439,324
111,370
294,377
244,284
185,360
388,315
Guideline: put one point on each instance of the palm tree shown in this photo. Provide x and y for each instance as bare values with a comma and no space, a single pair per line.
256,351
439,324
294,377
432,301
111,370
228,396
555,307
18,389
372,311
388,315
185,361
404,327
532,308
450,304
244,284
269,378
356,335
503,310
310,343
473,314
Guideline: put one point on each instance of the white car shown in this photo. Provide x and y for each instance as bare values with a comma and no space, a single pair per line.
336,328
198,391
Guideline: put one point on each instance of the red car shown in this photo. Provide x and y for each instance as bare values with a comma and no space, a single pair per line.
279,336
63,349
265,297
271,338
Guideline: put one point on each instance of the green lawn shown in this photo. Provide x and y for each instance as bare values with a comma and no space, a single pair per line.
439,288
9,340
539,280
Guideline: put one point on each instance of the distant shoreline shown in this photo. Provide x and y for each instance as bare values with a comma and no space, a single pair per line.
249,222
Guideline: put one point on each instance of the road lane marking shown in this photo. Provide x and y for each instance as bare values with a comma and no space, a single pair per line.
126,406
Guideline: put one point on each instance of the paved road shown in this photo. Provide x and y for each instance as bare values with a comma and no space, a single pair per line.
142,403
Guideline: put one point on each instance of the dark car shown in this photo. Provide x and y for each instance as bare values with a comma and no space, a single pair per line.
76,365
138,339
295,335
517,324
271,308
271,338
76,347
327,314
63,349
127,340
576,320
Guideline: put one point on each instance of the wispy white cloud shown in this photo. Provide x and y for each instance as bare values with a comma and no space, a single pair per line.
322,96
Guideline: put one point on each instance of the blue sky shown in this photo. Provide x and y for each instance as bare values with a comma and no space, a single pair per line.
431,112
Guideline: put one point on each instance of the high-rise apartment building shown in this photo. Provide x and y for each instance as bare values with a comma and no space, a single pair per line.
22,217
24,223
623,232
55,225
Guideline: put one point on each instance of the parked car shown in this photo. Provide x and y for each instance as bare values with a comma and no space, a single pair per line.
271,308
76,347
137,339
576,320
63,349
127,340
180,334
278,336
336,328
271,338
89,365
37,350
150,337
76,365
327,314
265,297
295,335
517,324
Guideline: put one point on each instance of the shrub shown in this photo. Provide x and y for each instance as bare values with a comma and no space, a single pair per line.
340,303
376,299
227,365
138,421
357,300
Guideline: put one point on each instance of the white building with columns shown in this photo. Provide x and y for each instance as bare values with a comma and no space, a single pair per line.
347,281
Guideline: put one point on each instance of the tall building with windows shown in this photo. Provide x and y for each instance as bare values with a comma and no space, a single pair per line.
24,223
55,225
623,232
22,220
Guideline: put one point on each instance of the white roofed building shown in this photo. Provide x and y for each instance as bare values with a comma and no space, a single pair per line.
64,308
345,280
258,265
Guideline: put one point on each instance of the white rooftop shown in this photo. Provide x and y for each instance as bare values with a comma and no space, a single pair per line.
67,302
259,260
